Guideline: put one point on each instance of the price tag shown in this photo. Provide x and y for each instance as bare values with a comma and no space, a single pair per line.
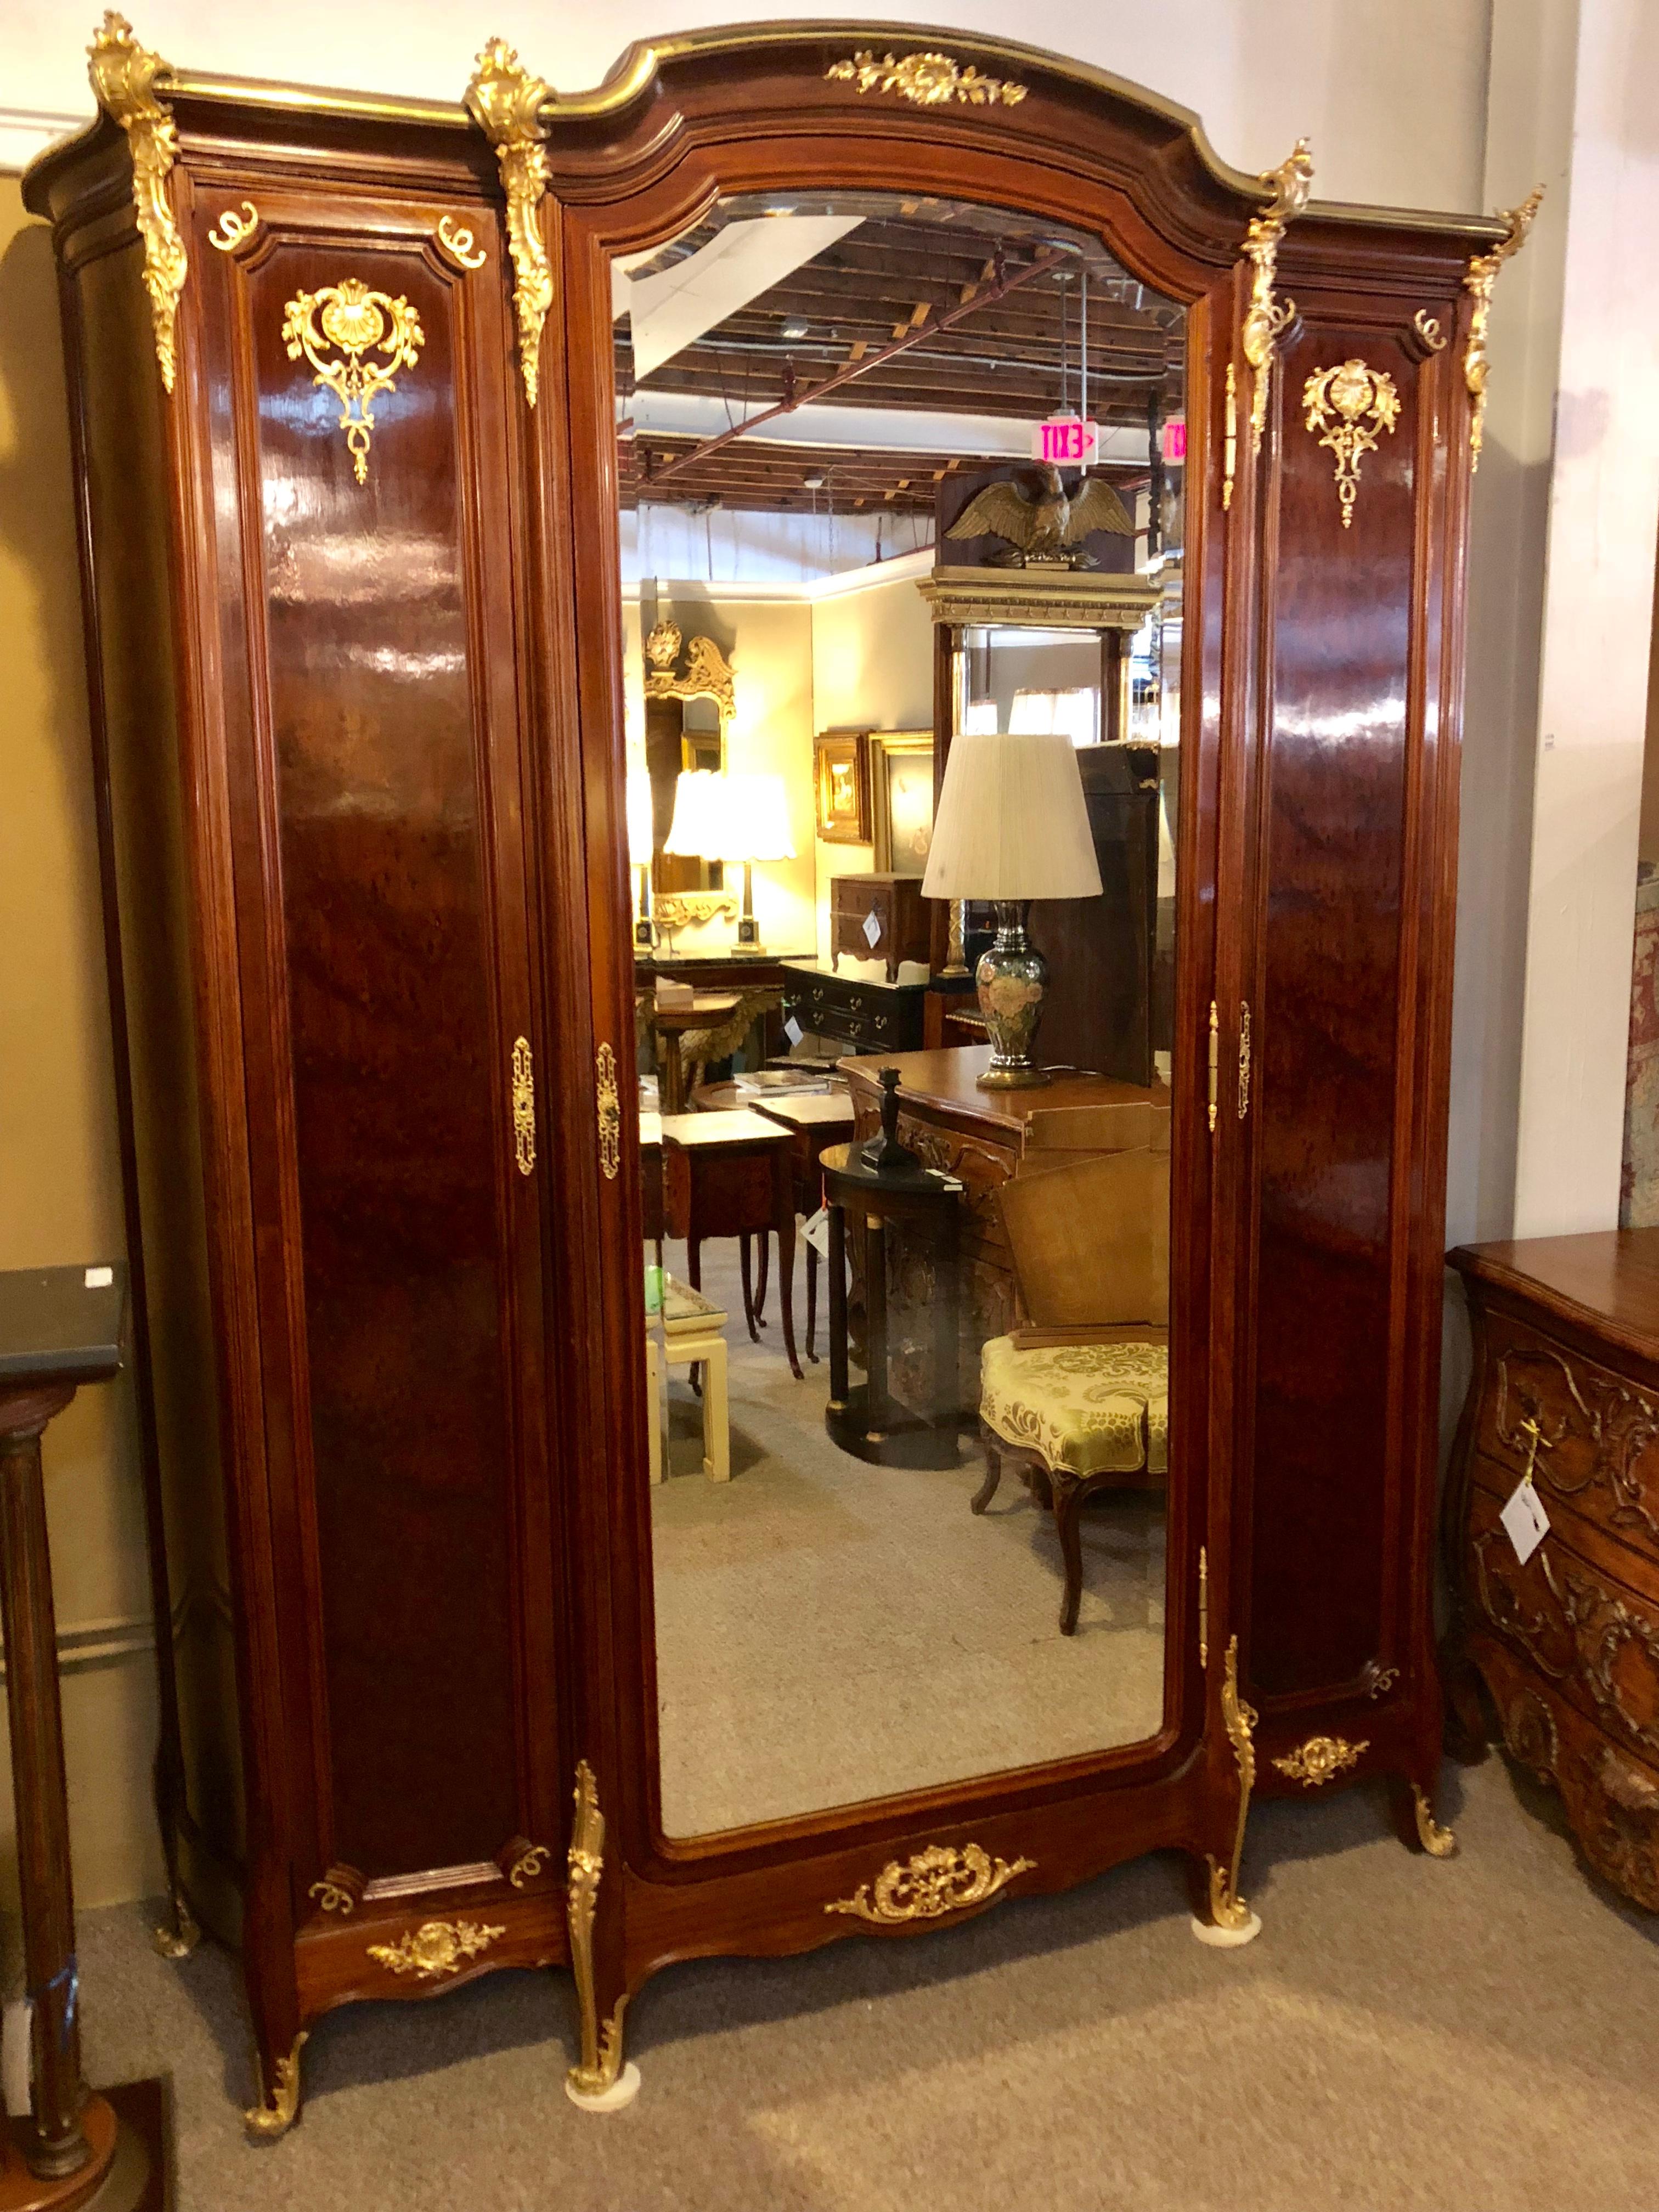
15,2062
1525,1522
872,930
816,1233
97,1279
792,1030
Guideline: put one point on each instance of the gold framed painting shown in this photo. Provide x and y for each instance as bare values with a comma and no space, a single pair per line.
841,758
901,799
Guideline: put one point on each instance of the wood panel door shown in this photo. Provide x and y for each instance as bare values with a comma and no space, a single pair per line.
366,619
1348,888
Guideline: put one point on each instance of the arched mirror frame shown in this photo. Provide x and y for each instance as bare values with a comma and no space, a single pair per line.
632,167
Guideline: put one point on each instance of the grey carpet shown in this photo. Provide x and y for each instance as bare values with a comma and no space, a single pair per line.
827,1630
1474,2034
1406,2033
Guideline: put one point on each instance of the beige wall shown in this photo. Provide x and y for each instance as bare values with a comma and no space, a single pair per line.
60,1197
1394,100
1648,844
872,669
770,645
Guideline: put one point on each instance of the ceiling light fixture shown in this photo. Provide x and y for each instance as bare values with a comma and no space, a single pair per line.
794,328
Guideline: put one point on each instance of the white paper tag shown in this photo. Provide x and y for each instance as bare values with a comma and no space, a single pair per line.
97,1279
1525,1522
792,1030
16,2066
816,1232
872,930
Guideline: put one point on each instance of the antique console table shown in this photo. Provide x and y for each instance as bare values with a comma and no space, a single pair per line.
1565,1390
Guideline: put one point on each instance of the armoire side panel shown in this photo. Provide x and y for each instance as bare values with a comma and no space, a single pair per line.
142,802
379,792
1325,1037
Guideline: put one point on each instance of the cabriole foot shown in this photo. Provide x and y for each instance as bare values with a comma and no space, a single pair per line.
264,2123
616,2098
177,1937
1439,1842
602,2083
1231,1923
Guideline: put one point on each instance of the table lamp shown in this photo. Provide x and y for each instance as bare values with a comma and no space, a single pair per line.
1012,825
750,822
640,847
722,816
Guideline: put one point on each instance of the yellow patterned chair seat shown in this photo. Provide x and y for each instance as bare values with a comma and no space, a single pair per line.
1087,1409
1075,1417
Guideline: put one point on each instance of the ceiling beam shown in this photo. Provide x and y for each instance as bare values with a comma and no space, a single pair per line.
928,328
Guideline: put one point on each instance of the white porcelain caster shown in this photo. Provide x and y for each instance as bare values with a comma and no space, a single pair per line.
621,2093
1226,1939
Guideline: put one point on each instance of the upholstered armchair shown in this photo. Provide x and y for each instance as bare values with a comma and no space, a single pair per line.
1077,1397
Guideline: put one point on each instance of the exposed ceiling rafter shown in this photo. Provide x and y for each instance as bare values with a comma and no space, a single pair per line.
930,326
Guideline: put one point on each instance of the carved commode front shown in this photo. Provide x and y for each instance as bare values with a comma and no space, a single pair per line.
1566,1643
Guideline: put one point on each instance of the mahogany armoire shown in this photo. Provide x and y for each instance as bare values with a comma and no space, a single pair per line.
340,370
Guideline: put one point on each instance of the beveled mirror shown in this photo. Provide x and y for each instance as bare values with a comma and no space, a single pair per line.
910,1467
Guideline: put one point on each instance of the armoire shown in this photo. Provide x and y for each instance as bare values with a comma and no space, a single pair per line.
340,372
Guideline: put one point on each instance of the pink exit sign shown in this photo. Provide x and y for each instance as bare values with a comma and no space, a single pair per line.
1065,441
1175,441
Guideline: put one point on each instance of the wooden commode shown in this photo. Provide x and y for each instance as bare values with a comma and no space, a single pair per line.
1565,1388
892,907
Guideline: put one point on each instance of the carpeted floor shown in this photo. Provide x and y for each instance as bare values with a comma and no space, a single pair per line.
829,1631
1406,2033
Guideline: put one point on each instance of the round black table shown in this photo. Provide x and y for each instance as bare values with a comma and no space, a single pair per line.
867,1420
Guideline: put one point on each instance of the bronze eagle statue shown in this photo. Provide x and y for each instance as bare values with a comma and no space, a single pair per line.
1047,530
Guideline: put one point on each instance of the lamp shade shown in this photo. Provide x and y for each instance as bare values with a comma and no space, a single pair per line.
693,832
752,819
1011,821
638,818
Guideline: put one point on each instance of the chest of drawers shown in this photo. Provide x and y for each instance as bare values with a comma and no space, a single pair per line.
1565,1383
866,1016
893,905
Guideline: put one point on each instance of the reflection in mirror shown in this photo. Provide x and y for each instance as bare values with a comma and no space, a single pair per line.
901,492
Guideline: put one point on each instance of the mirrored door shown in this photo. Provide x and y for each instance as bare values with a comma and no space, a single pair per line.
889,465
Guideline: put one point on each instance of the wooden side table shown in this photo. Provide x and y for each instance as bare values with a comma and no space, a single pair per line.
728,1175
651,1181
671,1024
59,1326
817,1123
816,1120
868,1421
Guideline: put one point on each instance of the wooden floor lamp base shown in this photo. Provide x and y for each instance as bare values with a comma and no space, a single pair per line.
126,2173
